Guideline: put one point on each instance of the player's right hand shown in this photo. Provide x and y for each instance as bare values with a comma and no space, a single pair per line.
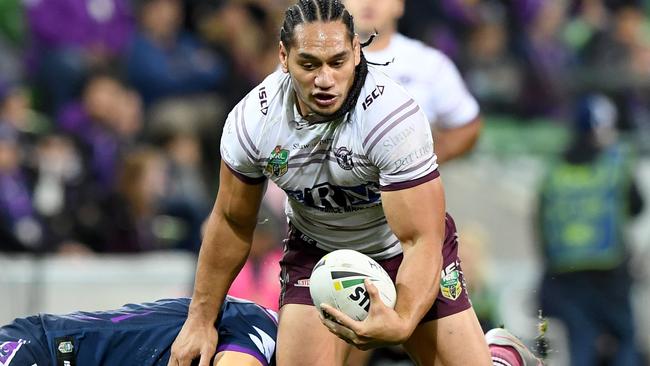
196,340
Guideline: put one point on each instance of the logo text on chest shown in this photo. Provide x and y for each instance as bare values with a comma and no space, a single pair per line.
331,198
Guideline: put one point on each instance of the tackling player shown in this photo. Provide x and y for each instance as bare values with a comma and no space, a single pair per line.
136,335
354,153
426,73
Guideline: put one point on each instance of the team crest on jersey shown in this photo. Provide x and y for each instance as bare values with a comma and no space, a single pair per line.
344,158
278,162
450,282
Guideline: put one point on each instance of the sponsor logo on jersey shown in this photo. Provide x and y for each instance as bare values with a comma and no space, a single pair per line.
450,281
278,162
264,103
414,156
330,198
8,351
397,139
302,283
321,143
370,98
344,158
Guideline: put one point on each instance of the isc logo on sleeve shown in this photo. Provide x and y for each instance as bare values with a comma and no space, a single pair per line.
379,90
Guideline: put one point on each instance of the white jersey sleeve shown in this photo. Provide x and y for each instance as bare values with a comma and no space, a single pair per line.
398,139
238,150
451,100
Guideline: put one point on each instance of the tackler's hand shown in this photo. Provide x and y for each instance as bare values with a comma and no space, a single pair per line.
195,341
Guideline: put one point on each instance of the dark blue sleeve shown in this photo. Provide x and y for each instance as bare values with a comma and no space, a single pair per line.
248,328
23,342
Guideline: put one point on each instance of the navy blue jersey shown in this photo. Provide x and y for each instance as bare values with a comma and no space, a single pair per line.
134,335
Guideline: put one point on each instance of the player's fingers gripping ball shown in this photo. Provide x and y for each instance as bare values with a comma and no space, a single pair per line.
337,280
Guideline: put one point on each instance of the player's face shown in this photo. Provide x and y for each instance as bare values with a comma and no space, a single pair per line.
321,62
369,15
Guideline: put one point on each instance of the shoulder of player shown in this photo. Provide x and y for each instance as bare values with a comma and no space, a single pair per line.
257,105
231,303
382,105
168,305
380,95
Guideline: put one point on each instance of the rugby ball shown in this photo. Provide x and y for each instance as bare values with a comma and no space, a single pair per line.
337,280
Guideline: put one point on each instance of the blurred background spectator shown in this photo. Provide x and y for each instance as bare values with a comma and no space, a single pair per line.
70,37
111,114
21,227
105,121
163,61
585,204
12,39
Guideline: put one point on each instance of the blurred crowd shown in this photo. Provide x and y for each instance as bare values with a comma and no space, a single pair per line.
111,110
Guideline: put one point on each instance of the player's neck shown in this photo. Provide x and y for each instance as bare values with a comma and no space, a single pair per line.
382,41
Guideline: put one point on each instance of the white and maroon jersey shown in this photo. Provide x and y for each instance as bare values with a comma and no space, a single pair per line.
333,172
431,78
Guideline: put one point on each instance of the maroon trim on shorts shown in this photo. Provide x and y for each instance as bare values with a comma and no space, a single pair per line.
411,183
301,256
244,178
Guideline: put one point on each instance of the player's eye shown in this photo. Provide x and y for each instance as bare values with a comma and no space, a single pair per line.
308,66
338,63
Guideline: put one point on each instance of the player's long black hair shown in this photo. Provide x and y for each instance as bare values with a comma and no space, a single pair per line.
307,11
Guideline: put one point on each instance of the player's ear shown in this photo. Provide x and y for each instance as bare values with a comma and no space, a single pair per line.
283,54
356,48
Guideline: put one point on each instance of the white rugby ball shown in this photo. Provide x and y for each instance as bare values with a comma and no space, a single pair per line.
337,280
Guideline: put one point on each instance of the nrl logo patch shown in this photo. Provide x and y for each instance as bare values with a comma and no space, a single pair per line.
278,162
65,351
344,158
450,282
65,347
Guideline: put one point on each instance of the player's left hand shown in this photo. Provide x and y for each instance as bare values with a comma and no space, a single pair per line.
383,326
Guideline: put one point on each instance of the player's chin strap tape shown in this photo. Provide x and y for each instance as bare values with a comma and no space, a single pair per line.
65,351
